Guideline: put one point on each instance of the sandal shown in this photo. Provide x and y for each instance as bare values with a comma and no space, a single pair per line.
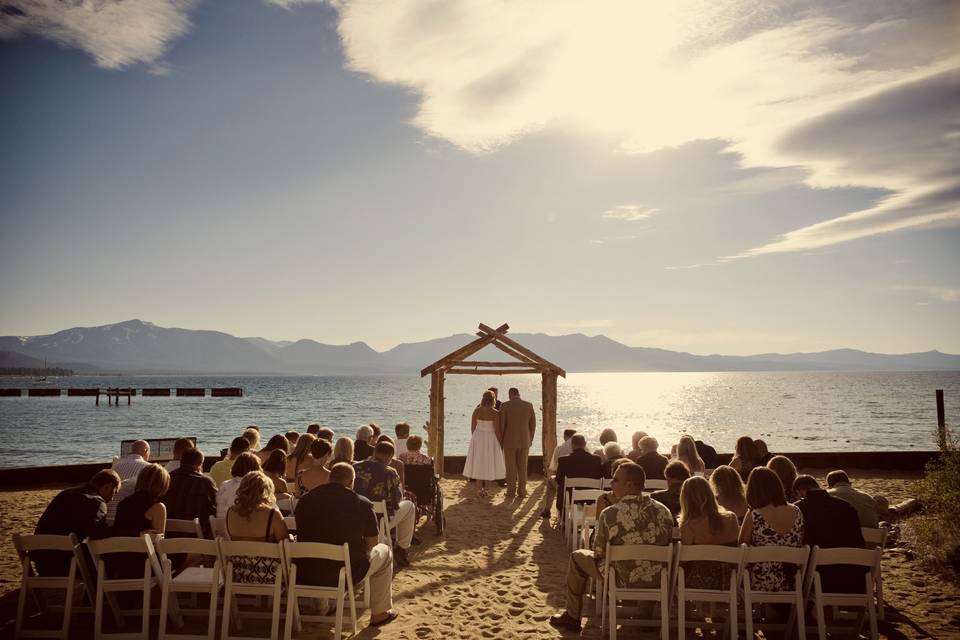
391,616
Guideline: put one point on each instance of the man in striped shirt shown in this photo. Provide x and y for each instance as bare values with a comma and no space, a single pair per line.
130,465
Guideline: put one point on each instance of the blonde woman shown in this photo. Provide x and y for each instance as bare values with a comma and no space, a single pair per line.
728,488
142,512
342,451
300,458
252,435
703,521
687,454
254,518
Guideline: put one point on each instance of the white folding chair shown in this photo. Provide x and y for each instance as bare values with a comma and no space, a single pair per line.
580,500
230,552
383,522
662,555
99,549
291,522
796,556
25,544
218,528
287,505
606,483
650,485
342,593
184,527
569,484
867,558
191,580
732,556
877,539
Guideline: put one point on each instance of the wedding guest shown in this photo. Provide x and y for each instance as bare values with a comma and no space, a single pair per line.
191,494
377,431
787,472
687,454
276,443
275,468
745,457
608,498
325,434
362,449
131,464
376,481
864,503
127,487
728,487
635,451
342,451
402,429
707,453
703,521
81,511
413,456
634,519
771,521
143,512
579,464
300,458
676,473
252,434
396,464
355,525
611,452
221,471
318,474
763,452
607,435
227,492
253,517
292,437
181,445
653,463
314,430
561,451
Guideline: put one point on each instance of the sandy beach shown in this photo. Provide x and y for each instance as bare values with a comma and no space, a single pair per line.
499,569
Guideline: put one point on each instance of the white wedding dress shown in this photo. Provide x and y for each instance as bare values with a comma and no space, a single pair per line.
484,456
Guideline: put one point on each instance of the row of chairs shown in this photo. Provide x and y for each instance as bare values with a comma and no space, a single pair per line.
587,491
213,575
807,586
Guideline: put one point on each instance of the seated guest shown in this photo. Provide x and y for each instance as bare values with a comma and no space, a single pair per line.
707,453
362,449
561,451
143,512
127,487
275,468
191,494
377,481
687,454
313,429
676,474
252,434
276,443
579,464
745,457
355,525
728,487
607,435
787,472
652,462
413,455
703,521
634,519
300,458
395,463
292,437
325,434
377,432
763,452
867,509
221,471
253,517
608,498
830,522
181,445
402,429
342,451
635,451
771,521
80,510
129,465
318,474
611,452
245,463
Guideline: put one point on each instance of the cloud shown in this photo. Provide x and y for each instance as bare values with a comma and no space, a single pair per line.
940,294
116,33
630,212
787,84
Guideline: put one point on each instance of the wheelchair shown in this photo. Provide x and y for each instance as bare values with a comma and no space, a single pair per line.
422,481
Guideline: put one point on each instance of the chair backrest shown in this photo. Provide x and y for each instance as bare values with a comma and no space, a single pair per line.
201,546
790,555
712,552
24,544
606,483
218,528
287,505
648,552
585,495
582,483
142,544
191,527
874,537
652,484
844,555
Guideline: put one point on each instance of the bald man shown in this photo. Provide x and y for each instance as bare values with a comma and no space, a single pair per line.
130,465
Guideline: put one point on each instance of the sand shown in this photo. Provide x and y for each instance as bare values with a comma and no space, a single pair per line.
499,570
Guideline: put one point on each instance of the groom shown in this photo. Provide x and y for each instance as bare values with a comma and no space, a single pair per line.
519,423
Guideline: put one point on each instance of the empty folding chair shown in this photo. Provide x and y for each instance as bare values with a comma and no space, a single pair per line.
250,568
728,560
867,558
342,593
657,554
580,501
193,580
795,556
877,539
29,582
569,484
100,550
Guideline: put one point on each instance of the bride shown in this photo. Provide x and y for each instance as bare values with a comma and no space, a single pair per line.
485,455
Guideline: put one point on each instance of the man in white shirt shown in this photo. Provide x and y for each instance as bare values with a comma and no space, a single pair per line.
130,465
562,451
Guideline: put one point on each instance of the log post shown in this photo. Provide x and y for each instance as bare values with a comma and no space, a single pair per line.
434,412
438,461
941,422
549,418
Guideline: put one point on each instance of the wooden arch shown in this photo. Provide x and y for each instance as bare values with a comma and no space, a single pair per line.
524,361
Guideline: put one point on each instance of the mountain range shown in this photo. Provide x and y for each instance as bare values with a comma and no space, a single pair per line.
137,346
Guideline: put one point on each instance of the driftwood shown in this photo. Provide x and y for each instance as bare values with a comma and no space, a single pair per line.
905,508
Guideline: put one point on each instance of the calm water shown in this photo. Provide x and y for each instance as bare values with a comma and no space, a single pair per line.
792,411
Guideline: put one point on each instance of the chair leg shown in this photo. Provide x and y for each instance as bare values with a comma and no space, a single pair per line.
212,619
67,608
338,625
164,606
292,605
275,614
98,607
733,614
681,613
612,602
818,602
801,622
748,612
227,606
665,619
145,619
21,609
878,588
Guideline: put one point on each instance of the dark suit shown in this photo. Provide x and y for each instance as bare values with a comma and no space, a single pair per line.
579,464
81,510
653,465
707,453
830,522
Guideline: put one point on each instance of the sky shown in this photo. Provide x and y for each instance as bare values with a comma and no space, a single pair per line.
714,177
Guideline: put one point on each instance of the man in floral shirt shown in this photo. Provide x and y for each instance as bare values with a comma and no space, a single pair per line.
634,519
376,481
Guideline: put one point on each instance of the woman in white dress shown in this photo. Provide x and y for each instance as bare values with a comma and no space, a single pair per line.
485,455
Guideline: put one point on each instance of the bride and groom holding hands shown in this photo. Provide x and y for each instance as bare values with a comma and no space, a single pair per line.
501,435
